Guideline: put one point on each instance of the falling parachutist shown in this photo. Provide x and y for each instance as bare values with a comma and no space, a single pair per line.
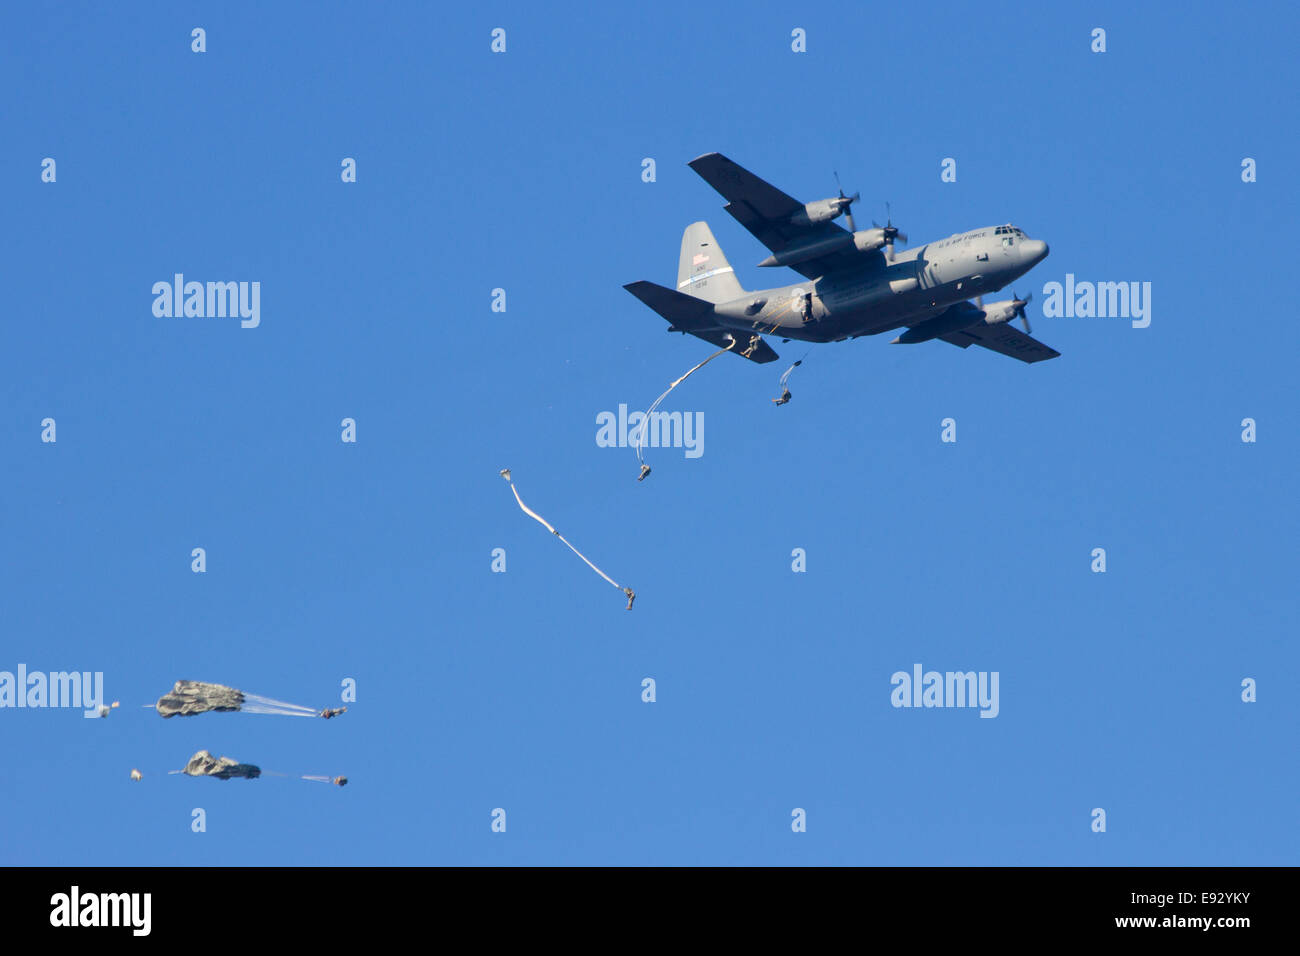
631,595
640,435
785,392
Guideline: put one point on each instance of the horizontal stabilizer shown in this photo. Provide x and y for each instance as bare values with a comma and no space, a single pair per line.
685,313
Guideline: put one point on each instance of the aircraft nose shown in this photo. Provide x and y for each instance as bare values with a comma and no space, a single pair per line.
1035,250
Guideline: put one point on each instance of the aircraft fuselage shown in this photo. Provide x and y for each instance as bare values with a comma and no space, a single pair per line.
917,285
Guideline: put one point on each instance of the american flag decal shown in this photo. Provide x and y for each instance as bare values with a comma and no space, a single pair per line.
699,259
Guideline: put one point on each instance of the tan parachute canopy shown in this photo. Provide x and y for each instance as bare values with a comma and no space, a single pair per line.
189,697
203,764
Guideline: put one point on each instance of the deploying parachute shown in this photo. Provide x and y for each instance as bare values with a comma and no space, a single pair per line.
631,595
189,697
785,392
203,764
645,418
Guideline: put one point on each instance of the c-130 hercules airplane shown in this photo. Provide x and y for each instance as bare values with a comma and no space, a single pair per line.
856,284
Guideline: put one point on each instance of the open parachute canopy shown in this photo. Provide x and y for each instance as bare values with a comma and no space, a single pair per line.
203,764
189,697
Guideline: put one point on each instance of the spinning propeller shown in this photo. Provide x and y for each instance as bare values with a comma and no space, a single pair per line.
1018,309
891,233
846,203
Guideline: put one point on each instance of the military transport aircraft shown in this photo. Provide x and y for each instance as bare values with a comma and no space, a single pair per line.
856,285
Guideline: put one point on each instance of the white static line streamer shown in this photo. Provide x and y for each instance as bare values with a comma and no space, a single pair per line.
631,595
640,435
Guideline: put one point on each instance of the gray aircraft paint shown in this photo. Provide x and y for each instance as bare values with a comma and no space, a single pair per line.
852,287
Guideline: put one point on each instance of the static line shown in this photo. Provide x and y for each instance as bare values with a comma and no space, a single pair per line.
631,595
640,435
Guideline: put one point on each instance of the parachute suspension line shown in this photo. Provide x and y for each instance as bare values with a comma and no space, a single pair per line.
631,595
310,777
339,781
257,704
640,435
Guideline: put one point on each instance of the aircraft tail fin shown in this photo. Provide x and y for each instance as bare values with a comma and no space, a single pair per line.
703,271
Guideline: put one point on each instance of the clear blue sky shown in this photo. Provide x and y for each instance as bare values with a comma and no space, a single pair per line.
522,690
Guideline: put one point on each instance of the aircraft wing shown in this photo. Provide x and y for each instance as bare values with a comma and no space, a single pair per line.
765,211
1005,339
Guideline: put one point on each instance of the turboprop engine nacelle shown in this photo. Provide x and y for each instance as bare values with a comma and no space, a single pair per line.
868,239
823,210
996,313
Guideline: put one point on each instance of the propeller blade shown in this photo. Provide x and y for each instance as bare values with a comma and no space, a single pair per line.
846,202
1020,310
891,232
